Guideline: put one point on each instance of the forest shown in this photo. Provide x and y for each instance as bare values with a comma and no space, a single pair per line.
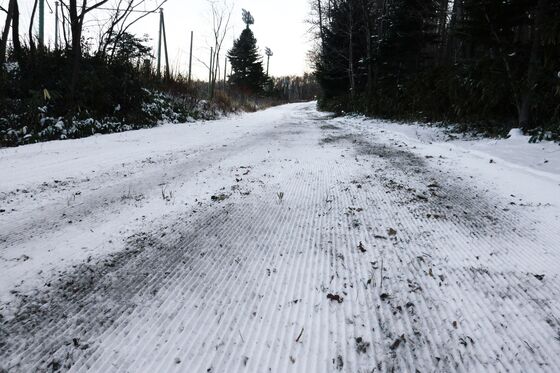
488,65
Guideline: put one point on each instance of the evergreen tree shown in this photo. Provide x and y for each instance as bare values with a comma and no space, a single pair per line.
410,35
246,63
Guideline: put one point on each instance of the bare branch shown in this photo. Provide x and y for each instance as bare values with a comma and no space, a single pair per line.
121,21
86,10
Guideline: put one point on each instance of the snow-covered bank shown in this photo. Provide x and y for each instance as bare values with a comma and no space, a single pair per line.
279,241
516,150
499,160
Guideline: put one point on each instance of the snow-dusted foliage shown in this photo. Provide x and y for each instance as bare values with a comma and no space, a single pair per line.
159,108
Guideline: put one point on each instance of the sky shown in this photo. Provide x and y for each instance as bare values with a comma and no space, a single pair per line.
279,24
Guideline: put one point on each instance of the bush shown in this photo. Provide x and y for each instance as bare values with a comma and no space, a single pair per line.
111,97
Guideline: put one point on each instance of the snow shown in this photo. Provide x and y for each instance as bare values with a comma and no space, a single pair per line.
282,240
65,178
515,133
513,153
11,67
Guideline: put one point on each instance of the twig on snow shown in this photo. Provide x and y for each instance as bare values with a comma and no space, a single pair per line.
381,282
300,334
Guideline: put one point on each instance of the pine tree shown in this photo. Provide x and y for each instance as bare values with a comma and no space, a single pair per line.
246,63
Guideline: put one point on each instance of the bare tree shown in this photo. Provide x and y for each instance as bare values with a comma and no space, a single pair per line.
221,17
125,14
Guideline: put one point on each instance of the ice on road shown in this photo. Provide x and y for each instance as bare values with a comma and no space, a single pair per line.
280,241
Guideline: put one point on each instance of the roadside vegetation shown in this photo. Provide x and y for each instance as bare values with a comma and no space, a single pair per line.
81,87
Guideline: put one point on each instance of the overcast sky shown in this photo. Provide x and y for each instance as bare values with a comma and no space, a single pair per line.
279,24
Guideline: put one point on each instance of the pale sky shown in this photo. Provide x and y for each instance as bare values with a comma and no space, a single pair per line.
279,25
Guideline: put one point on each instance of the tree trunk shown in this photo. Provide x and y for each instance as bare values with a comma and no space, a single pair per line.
64,31
15,31
443,29
31,22
351,76
535,61
6,31
453,48
76,59
321,33
76,29
381,8
512,79
380,11
369,54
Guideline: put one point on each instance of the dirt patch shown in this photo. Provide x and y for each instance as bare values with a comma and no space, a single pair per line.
324,117
219,197
327,127
431,193
398,158
335,139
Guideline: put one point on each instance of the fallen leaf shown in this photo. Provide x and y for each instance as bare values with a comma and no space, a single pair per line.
335,297
361,247
397,342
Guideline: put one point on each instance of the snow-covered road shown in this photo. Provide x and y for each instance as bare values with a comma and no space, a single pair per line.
283,240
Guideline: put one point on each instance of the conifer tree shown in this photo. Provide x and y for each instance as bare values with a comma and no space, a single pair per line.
246,63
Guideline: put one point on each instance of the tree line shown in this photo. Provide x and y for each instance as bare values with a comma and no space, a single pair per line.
492,64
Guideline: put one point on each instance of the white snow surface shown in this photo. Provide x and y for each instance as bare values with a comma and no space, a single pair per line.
284,241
